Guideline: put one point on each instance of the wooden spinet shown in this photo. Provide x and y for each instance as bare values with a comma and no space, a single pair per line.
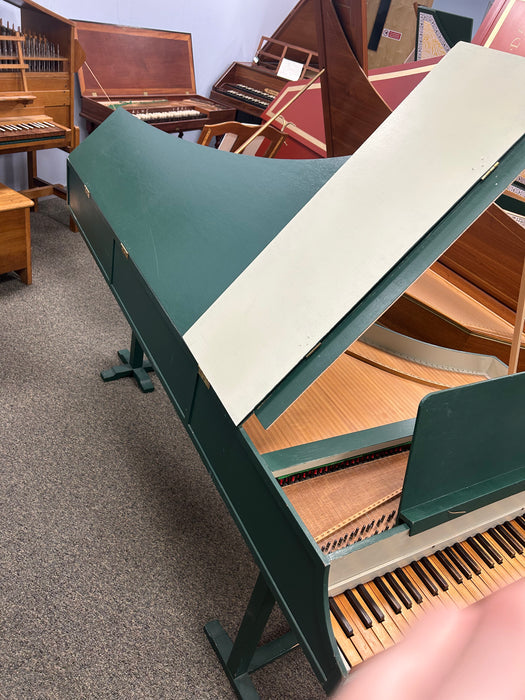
147,72
37,71
250,313
250,87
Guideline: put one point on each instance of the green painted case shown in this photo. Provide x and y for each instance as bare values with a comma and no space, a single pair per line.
168,249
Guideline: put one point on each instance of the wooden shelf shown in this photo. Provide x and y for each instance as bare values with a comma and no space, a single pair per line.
17,97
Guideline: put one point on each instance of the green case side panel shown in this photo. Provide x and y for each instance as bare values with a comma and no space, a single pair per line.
157,336
89,218
351,443
173,362
394,284
175,227
293,567
467,451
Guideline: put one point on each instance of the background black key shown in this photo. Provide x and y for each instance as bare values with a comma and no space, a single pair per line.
422,575
341,619
361,612
474,566
489,548
482,554
505,546
449,567
438,578
510,538
457,561
398,590
407,583
515,531
371,603
388,595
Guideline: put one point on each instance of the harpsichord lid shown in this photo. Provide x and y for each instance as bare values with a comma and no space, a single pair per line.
268,273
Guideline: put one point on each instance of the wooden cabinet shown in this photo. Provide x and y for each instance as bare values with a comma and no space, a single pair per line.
15,235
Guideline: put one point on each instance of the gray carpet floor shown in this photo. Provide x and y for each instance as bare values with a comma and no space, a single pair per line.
115,547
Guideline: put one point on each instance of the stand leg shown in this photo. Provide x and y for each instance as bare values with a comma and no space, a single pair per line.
134,365
31,174
242,657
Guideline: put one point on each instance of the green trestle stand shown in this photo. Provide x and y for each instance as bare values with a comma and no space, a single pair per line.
243,656
134,364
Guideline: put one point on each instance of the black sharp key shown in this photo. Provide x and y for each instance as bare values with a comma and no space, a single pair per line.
371,603
398,590
491,551
361,612
438,578
505,546
457,561
341,619
448,566
407,583
511,538
480,552
470,562
521,521
515,532
422,576
388,595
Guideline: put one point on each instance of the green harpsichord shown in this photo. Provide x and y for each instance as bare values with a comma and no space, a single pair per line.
346,453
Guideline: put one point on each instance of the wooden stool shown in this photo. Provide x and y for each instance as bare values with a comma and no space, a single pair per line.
15,234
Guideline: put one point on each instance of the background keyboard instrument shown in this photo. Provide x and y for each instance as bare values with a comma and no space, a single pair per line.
161,81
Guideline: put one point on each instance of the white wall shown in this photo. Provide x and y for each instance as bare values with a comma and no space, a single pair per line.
222,32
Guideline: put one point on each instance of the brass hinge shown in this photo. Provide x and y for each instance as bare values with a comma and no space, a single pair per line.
87,192
203,377
490,170
124,251
316,347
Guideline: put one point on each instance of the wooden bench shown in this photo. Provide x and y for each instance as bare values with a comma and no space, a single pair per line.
15,234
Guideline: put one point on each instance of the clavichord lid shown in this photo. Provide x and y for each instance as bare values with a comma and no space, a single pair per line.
130,61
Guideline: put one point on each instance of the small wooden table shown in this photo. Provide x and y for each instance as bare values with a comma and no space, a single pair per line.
15,234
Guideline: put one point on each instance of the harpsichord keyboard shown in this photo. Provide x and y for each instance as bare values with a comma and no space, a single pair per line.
374,615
